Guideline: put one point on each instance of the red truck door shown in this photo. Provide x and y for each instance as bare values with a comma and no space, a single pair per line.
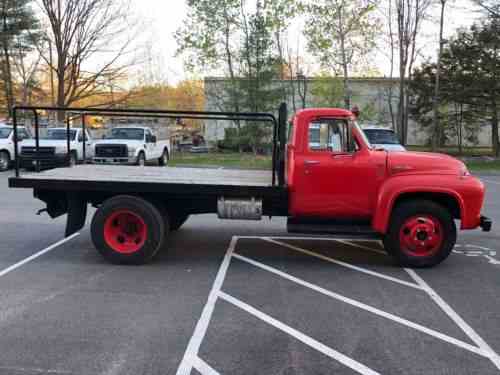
336,175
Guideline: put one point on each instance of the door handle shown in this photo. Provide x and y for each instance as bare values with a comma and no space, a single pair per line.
341,156
311,162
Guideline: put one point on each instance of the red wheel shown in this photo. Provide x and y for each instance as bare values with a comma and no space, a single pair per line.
128,230
125,231
422,233
421,236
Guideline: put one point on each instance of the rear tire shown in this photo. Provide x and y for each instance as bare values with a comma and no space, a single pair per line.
421,234
128,230
163,160
4,161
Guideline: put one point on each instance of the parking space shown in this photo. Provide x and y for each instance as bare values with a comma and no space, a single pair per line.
361,314
242,298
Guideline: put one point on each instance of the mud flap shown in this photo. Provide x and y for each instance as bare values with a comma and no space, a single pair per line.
77,214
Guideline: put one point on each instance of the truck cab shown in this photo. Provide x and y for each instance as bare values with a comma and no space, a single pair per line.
132,145
7,144
53,148
411,199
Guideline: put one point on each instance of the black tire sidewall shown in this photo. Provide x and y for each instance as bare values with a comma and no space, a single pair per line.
140,157
163,161
5,154
141,207
177,221
73,159
413,208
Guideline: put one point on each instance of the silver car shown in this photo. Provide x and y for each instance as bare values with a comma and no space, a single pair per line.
383,138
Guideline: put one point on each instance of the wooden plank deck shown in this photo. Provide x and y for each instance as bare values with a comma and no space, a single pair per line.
161,175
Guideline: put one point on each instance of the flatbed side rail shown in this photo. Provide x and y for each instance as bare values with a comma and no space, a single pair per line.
71,113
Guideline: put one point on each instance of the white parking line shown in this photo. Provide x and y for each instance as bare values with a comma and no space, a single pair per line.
344,264
320,347
203,368
191,354
37,255
368,308
468,330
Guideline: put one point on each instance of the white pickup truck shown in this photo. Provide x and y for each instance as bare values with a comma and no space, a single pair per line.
132,145
53,148
7,144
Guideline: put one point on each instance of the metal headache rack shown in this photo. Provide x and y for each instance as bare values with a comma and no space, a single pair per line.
279,128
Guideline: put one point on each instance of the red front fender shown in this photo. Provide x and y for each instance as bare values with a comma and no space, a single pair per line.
468,193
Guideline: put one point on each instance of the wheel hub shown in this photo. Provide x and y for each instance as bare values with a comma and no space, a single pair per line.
421,235
125,231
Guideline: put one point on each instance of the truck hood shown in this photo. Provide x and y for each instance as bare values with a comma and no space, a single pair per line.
424,163
45,143
128,142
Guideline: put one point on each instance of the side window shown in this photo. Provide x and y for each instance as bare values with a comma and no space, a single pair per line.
149,136
87,134
80,137
329,135
22,134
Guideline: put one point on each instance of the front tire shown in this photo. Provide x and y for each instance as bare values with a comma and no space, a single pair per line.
422,233
73,159
163,160
128,230
4,161
141,159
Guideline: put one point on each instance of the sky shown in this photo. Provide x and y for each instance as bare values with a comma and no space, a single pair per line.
162,18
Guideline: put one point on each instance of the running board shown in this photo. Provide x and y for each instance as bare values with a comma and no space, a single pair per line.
319,227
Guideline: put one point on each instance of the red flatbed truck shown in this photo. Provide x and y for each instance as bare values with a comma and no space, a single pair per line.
326,179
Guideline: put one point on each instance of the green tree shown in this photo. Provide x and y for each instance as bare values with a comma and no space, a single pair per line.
207,40
341,34
470,82
19,31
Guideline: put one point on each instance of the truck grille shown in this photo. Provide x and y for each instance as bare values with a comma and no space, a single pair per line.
111,151
42,151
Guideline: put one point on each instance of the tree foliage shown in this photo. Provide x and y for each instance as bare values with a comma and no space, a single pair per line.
20,30
341,34
470,83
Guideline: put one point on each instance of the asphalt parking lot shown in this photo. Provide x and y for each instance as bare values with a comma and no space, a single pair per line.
242,298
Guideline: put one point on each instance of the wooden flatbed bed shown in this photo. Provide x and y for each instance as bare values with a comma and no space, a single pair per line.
235,182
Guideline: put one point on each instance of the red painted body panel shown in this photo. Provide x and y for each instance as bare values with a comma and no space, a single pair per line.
365,184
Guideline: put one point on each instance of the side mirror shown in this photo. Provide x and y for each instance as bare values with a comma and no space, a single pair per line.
153,139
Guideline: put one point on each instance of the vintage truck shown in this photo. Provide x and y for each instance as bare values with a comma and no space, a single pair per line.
326,179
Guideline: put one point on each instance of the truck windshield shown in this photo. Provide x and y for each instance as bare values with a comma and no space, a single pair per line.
362,133
58,135
131,133
382,136
5,132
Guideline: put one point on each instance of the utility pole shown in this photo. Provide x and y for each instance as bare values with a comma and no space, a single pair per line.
436,132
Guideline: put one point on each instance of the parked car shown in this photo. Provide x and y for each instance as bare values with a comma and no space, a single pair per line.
53,149
7,144
131,145
383,138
